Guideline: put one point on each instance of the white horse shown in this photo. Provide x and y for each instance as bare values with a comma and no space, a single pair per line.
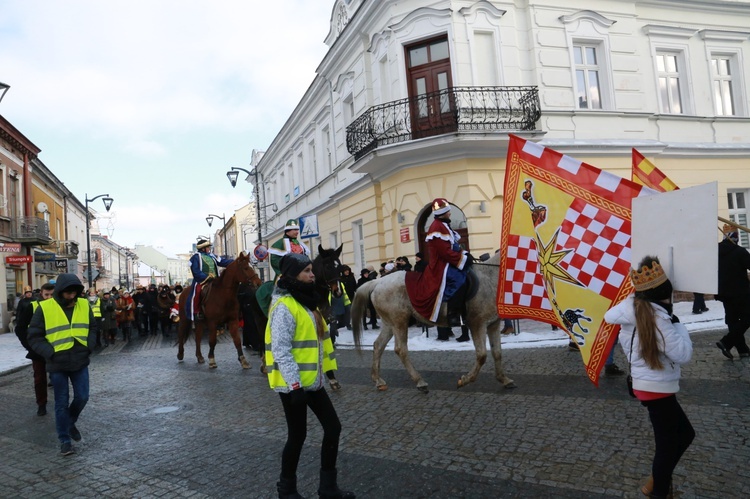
388,295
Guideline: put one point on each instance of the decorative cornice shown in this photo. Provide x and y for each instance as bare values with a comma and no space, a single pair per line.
342,79
724,35
669,31
482,5
420,14
588,15
379,43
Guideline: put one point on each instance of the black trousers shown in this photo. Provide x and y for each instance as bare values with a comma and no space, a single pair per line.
737,319
673,434
296,422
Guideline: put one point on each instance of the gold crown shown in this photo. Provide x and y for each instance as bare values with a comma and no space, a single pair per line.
648,278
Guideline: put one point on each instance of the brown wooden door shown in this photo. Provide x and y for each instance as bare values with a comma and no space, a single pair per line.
432,106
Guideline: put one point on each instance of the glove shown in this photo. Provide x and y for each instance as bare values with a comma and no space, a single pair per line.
469,260
298,397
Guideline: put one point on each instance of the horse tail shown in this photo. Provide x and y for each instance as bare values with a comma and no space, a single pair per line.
359,304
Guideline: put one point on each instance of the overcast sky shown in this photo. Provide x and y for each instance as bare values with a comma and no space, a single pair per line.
152,101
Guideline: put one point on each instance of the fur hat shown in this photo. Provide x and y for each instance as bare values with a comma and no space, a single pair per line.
203,243
291,224
293,263
27,289
440,206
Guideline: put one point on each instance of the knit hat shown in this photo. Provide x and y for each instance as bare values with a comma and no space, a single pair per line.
293,263
291,224
440,206
203,243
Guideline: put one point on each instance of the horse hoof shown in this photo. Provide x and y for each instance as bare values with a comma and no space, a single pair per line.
201,361
244,362
460,383
509,384
335,385
211,364
423,389
382,388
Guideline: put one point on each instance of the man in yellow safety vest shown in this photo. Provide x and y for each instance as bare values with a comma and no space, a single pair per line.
63,330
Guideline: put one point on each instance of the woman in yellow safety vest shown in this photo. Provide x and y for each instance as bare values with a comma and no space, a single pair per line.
296,359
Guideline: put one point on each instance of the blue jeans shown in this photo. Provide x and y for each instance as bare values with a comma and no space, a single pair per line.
611,359
67,415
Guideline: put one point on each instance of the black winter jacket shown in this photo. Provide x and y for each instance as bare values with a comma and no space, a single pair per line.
734,262
74,358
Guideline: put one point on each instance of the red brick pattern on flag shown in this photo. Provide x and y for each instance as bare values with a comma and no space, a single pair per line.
601,260
524,284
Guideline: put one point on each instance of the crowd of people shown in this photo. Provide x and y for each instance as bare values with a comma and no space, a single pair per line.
60,327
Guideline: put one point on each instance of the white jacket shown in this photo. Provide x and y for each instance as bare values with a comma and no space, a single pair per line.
674,344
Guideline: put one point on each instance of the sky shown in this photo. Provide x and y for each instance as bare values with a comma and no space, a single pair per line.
153,101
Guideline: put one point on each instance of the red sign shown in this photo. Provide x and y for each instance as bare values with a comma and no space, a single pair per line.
16,260
405,236
10,247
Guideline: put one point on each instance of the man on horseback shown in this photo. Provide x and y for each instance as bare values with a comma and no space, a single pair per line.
204,266
287,244
446,271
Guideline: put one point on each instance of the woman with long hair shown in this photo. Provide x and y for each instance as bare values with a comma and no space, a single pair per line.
297,359
656,344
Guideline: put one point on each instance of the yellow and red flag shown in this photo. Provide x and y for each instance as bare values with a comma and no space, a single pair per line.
644,172
566,246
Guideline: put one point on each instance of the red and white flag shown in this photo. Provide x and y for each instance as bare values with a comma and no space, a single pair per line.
566,245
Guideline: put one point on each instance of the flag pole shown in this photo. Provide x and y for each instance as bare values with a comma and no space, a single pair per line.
734,224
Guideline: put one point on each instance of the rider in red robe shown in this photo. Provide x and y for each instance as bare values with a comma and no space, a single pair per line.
447,267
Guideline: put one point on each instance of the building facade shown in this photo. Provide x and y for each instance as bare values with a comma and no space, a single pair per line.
415,99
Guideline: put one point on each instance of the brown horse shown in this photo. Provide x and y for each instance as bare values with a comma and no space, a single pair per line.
220,306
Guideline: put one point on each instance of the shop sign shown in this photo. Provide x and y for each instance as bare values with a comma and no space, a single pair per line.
405,235
44,257
18,260
61,264
10,247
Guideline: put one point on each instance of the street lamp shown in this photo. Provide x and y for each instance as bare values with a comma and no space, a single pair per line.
107,204
3,89
210,220
232,176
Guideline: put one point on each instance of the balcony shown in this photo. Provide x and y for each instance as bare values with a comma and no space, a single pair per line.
30,230
452,110
63,249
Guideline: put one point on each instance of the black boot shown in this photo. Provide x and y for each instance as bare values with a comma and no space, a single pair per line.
464,334
287,488
329,488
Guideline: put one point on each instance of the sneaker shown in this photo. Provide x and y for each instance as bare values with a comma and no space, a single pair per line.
66,449
41,410
613,370
704,309
375,326
724,350
507,330
74,433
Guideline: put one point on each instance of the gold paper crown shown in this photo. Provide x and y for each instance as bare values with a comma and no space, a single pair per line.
648,278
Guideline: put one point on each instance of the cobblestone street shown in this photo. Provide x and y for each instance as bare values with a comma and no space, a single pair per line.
157,428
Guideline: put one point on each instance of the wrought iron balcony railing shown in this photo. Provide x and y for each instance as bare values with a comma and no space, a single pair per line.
446,111
30,229
63,248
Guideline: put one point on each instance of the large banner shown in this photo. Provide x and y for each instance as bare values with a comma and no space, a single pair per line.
566,245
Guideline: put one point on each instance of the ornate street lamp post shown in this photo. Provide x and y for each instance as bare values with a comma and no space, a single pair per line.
107,204
210,220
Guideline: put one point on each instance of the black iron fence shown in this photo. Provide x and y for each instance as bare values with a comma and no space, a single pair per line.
30,228
446,111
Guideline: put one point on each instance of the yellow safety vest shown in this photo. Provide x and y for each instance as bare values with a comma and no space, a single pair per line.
345,296
329,354
96,307
305,346
62,333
